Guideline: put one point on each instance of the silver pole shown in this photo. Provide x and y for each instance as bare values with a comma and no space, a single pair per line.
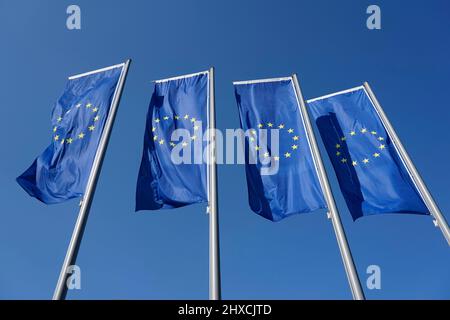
346,254
74,245
214,260
423,190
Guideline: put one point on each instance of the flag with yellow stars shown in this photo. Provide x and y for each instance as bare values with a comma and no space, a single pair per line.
292,185
173,173
371,173
62,170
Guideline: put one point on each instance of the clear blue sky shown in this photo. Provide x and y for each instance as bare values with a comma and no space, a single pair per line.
164,255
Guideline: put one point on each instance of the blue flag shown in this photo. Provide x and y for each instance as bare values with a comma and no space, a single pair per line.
371,174
173,173
293,187
62,170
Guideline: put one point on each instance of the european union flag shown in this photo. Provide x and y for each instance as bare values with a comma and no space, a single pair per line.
294,187
371,174
173,173
62,170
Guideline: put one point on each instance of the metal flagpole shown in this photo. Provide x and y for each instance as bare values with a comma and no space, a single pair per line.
346,254
74,245
422,188
214,255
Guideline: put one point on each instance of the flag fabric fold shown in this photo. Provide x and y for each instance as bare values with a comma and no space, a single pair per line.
62,170
371,173
294,187
173,172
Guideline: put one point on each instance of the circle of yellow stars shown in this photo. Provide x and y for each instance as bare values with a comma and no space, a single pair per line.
286,154
186,117
67,140
365,161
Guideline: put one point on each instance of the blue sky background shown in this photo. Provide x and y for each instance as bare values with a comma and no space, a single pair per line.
164,255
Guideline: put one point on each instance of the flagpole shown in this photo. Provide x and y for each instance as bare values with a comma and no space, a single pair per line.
74,245
214,255
420,184
346,254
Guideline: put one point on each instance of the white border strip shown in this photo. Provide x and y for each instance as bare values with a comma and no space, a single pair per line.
262,80
335,94
96,71
182,77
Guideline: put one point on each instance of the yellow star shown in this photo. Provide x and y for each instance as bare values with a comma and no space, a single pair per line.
276,158
373,132
95,110
294,147
260,125
59,119
155,138
376,155
270,125
186,117
287,155
166,118
54,129
338,146
153,129
81,135
295,138
194,137
352,133
253,132
161,141
157,120
196,128
354,163
364,130
382,146
266,154
291,131
366,161
184,144
177,117
343,138
257,148
172,144
252,139
344,160
56,138
380,138
281,126
69,141
91,128
89,105
96,118
193,120
338,153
